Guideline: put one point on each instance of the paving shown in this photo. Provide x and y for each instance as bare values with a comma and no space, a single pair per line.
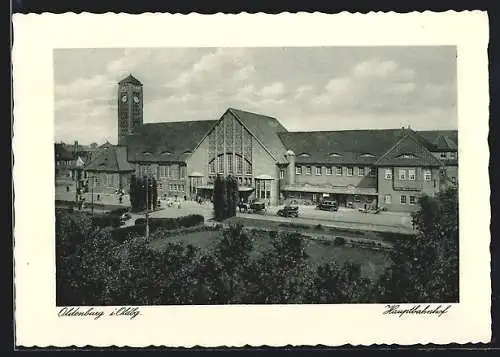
344,218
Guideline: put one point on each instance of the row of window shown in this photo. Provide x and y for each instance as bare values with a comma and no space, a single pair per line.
172,187
403,199
217,165
448,155
170,171
319,170
407,174
243,181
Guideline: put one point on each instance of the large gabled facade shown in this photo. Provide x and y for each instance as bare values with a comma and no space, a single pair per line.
358,168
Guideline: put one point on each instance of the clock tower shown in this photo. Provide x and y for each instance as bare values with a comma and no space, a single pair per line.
130,107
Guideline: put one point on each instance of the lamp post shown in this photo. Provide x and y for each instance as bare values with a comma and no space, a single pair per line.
147,207
92,193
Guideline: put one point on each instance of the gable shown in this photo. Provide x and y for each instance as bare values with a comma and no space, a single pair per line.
408,151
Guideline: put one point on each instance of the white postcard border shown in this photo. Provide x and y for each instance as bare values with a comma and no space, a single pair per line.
37,323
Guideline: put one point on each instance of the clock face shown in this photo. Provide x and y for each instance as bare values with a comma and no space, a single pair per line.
136,99
124,99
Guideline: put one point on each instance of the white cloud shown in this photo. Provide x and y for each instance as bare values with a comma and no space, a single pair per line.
274,90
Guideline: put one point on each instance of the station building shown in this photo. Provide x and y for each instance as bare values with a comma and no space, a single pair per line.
386,168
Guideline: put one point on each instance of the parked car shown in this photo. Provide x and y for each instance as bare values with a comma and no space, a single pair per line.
125,217
289,211
328,206
258,207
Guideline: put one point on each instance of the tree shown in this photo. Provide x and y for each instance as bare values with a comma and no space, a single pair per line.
133,193
219,199
225,197
232,253
232,196
425,269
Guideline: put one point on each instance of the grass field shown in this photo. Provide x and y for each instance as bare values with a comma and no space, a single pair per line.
373,263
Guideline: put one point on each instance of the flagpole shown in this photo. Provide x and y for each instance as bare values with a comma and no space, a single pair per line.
147,208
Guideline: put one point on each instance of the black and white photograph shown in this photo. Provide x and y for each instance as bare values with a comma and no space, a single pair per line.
251,180
256,175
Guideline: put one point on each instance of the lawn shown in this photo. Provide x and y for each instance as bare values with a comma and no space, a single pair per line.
373,263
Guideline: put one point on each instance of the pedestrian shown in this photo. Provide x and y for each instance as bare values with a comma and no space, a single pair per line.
67,188
98,197
120,199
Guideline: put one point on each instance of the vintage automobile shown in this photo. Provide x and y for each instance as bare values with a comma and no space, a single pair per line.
289,211
257,207
328,206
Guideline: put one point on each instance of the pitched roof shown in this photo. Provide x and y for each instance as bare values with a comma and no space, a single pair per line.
166,142
107,144
433,136
409,151
343,146
61,153
130,79
265,129
112,160
444,143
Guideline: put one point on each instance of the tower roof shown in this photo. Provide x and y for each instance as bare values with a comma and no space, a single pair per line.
130,79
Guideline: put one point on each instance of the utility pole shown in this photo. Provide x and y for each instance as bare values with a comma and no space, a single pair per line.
92,192
147,208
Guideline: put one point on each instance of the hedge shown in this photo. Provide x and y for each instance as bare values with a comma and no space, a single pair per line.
169,224
106,220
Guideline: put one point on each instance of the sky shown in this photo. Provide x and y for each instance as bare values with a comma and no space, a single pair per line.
306,89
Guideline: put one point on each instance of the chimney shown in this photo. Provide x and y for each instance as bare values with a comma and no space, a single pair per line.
290,155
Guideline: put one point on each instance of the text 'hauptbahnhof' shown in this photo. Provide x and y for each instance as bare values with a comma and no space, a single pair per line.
388,168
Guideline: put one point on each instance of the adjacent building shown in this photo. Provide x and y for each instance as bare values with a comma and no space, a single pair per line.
387,168
109,171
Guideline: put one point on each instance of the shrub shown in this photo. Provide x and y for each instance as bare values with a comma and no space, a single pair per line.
318,227
339,241
106,220
122,234
118,212
326,242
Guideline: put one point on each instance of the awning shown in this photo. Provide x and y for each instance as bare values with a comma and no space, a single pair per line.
195,174
206,187
350,190
264,177
245,189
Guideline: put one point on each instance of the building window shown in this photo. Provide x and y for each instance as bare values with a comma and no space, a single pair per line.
338,171
357,198
308,170
230,162
361,171
328,170
413,200
162,172
411,174
239,164
298,170
403,200
181,188
427,175
171,187
212,167
249,168
387,199
453,155
350,171
388,174
282,174
221,164
442,155
318,170
373,171
402,174
175,187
